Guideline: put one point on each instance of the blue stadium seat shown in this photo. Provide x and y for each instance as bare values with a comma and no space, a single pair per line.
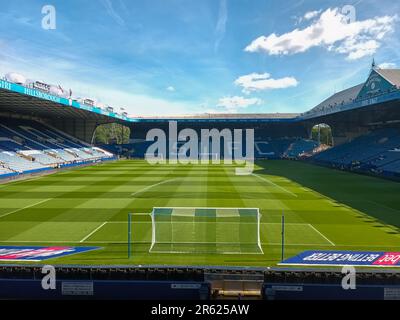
27,146
377,152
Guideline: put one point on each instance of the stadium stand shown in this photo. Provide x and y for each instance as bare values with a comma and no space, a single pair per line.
28,146
266,148
377,152
300,147
285,148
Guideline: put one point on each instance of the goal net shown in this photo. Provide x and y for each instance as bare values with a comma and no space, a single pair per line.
206,230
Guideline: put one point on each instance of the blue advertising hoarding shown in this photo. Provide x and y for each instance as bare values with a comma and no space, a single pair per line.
17,253
342,258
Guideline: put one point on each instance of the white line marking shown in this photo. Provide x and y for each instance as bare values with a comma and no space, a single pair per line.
322,235
154,185
69,241
274,184
265,244
27,207
138,214
297,244
208,252
211,208
125,222
224,222
93,232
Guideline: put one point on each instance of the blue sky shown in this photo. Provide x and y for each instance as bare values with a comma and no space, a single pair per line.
181,57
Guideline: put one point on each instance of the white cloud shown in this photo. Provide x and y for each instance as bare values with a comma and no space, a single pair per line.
258,82
233,104
170,89
136,104
388,65
221,23
311,14
331,31
356,50
111,11
307,16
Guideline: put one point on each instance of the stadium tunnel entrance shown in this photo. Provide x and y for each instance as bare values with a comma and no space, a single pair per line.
353,123
111,133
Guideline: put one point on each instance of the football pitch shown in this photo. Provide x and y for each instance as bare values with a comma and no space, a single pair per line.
323,208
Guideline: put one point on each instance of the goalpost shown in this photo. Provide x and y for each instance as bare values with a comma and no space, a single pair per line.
205,230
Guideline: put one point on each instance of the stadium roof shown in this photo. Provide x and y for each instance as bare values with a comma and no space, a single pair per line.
345,96
16,103
15,98
19,99
391,75
228,116
356,96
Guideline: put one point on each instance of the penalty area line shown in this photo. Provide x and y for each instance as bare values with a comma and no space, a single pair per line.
152,186
93,232
27,207
274,184
134,214
321,234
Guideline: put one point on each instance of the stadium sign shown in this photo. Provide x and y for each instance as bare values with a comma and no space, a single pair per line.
89,102
13,253
343,258
41,86
5,85
44,94
41,95
375,85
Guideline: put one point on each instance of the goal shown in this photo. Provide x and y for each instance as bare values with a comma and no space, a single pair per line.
205,230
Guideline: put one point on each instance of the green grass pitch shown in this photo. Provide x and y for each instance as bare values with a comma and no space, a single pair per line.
324,209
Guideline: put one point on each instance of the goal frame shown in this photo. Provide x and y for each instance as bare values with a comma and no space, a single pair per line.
257,245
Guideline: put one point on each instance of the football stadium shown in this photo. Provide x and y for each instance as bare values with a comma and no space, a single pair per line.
59,191
100,203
